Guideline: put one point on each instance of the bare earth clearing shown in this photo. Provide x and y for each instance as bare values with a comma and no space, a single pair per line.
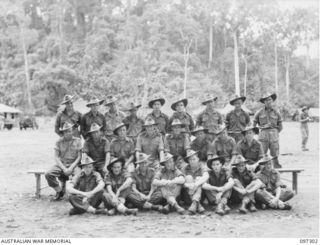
24,216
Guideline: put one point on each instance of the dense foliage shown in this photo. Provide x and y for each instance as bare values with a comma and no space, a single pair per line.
126,47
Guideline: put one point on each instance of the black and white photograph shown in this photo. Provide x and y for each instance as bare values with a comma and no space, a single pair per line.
159,119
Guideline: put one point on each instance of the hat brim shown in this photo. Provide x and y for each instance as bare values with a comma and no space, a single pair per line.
163,162
273,96
209,162
264,161
88,163
114,161
305,108
154,124
182,125
123,125
184,101
98,129
220,131
65,129
161,100
106,103
207,101
236,164
66,101
188,156
135,107
100,102
143,160
243,98
195,131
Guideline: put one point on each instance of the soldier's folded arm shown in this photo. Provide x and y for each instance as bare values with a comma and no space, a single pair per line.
100,185
207,186
58,161
203,179
228,186
75,163
125,184
178,180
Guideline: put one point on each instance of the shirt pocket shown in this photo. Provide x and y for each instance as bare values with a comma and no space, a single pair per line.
274,119
263,119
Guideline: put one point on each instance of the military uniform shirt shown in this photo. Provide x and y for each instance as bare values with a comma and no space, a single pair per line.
135,125
116,181
97,151
150,145
245,178
162,121
184,118
122,148
209,119
219,180
112,120
226,148
201,146
68,150
271,180
237,122
163,173
253,152
198,173
177,145
88,119
85,183
265,116
143,182
74,118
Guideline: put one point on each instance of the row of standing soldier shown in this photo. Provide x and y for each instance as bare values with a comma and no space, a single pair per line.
116,136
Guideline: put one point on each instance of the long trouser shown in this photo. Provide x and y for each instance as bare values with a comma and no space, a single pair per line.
189,196
237,197
55,173
269,139
138,202
81,204
212,196
305,134
264,196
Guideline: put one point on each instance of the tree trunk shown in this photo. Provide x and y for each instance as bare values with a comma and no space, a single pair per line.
186,52
61,46
236,64
245,76
276,68
287,78
210,44
26,67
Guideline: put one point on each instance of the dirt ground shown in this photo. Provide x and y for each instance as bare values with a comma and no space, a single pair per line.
24,216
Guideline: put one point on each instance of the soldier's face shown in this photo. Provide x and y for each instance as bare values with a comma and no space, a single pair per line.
96,134
87,169
116,168
150,130
69,105
68,134
122,132
143,166
156,105
268,166
176,130
210,104
268,101
180,107
200,135
249,135
222,135
237,104
241,167
194,161
94,107
216,166
169,164
112,106
133,111
211,137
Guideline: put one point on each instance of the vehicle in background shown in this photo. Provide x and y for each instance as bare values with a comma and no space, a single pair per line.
9,117
28,122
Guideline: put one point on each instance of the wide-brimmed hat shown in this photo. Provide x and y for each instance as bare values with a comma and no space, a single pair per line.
209,98
114,160
267,95
120,126
156,98
189,154
177,122
265,159
250,127
94,101
86,161
198,129
167,156
110,99
237,97
304,108
220,129
142,158
215,157
132,106
94,127
149,122
184,101
239,159
67,98
66,126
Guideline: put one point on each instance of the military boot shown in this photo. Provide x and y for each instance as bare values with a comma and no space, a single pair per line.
219,209
193,208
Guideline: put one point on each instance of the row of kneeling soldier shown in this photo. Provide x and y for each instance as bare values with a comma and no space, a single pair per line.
128,163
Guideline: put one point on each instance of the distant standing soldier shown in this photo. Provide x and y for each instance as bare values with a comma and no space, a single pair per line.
159,117
237,119
270,123
180,113
209,118
93,116
135,123
304,119
113,116
68,115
